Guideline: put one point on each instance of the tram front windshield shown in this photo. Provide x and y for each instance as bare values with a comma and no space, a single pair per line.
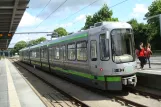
122,45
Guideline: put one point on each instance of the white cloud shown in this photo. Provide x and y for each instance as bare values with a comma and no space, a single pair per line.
69,7
26,37
139,10
70,4
29,20
66,25
80,18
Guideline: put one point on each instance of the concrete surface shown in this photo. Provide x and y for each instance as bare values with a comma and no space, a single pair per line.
14,91
153,59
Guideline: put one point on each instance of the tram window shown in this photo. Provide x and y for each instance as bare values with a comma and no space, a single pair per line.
38,50
64,52
50,53
93,49
61,53
56,53
71,51
104,47
37,53
31,53
82,51
45,53
42,53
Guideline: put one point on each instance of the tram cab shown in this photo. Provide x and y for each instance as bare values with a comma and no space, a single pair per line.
113,52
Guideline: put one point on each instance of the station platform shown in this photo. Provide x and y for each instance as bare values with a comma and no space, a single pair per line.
150,77
154,70
155,66
156,60
14,90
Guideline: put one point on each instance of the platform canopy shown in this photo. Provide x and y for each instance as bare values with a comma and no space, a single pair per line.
11,12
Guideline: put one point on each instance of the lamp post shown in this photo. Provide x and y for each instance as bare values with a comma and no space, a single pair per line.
159,15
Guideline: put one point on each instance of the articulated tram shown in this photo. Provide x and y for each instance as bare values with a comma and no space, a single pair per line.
102,56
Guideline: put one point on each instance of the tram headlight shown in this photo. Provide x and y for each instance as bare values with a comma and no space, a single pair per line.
118,70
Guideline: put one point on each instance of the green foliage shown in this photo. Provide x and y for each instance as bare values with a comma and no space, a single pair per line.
61,31
154,28
19,45
22,44
37,41
141,32
104,14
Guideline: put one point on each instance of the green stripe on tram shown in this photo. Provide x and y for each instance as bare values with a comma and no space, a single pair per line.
101,78
113,79
71,38
75,72
89,76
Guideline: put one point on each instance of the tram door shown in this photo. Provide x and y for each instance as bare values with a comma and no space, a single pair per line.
94,54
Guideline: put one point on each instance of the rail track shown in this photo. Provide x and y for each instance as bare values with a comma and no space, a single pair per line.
115,98
145,93
73,100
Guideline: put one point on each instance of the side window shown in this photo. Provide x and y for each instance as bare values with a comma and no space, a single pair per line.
43,53
104,47
61,53
38,51
30,53
64,52
50,53
34,53
82,51
56,53
93,49
71,51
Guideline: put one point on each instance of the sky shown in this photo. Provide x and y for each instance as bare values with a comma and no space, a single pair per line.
39,19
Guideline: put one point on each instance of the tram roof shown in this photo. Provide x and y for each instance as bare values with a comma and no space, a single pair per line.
81,34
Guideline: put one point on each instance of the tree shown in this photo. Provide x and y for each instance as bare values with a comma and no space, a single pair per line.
104,14
141,32
31,42
89,22
37,41
19,45
61,31
154,9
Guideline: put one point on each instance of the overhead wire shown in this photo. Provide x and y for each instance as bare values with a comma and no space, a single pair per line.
78,11
75,12
43,9
85,8
118,3
109,8
52,13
